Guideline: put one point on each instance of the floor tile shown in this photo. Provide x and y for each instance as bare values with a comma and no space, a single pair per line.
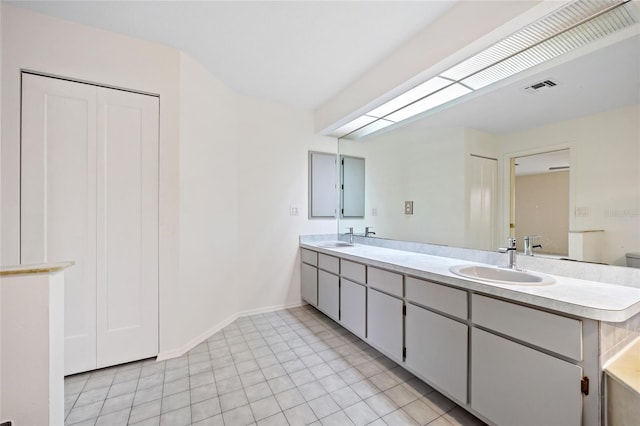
116,418
323,406
290,398
91,396
118,403
361,414
300,415
145,411
312,390
233,400
381,404
400,395
275,420
421,412
240,416
201,393
176,401
345,397
89,411
147,394
265,407
205,409
179,417
337,419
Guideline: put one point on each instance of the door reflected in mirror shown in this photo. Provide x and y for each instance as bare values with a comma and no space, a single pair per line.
541,202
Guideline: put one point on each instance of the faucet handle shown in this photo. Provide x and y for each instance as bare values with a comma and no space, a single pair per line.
512,243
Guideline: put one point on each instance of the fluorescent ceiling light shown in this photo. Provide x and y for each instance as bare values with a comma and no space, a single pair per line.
442,97
571,27
373,127
353,125
419,92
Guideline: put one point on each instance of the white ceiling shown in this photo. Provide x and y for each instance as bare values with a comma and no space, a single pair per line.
300,53
547,162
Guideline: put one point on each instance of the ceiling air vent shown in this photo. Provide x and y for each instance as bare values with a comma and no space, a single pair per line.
540,85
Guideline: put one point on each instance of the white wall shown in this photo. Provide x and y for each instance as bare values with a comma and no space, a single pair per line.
230,167
208,202
272,175
605,173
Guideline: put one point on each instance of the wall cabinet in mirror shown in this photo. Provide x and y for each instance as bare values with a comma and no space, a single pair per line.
351,186
322,185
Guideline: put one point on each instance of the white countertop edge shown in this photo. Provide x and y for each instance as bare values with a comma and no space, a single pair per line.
42,268
515,293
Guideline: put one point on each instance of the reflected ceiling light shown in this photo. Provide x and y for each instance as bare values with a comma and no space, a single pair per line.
571,27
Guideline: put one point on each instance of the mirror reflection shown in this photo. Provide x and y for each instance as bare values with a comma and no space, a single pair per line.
457,165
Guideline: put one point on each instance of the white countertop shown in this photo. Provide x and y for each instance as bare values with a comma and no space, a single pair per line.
42,268
581,298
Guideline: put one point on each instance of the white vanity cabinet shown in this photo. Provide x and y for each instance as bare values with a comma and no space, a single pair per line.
353,297
385,319
523,382
329,286
436,345
309,276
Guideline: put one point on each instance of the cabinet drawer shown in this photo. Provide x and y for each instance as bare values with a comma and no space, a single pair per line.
353,271
308,256
439,297
553,332
329,263
389,282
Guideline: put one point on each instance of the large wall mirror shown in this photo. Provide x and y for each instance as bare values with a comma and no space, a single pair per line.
458,165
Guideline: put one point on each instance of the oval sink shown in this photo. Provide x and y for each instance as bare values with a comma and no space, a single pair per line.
334,244
501,275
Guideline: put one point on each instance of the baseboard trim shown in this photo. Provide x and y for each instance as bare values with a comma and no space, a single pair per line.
163,356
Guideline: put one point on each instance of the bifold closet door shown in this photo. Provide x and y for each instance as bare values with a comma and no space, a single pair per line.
127,163
89,193
58,200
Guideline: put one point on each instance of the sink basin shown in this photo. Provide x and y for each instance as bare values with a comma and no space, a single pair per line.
334,244
501,275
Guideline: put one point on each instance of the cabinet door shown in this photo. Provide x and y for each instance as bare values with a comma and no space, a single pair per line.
309,284
437,350
513,384
353,299
328,294
384,323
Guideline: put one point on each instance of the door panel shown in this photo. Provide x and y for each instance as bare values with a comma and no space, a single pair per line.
127,309
58,200
385,323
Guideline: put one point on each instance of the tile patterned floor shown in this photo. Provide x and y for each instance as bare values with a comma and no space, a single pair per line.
291,367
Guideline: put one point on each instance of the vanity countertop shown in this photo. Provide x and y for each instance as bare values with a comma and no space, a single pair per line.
572,296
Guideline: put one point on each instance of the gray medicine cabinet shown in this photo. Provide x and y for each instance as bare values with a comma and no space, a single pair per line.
324,175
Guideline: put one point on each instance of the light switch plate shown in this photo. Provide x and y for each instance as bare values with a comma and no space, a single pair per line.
408,207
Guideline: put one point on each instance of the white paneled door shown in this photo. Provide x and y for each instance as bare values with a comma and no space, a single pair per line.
89,193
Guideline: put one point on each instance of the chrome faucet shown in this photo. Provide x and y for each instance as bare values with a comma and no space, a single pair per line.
529,246
367,231
511,249
350,234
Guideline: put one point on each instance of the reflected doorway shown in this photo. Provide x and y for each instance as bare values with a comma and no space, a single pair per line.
540,201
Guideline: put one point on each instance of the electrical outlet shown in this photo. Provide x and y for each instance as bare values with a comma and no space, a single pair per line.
374,211
293,210
408,207
582,211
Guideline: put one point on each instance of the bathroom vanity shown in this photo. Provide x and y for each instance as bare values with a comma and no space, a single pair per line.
508,353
